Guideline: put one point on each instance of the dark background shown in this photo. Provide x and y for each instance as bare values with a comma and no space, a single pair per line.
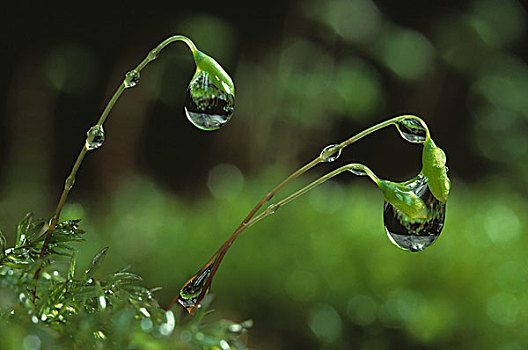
307,74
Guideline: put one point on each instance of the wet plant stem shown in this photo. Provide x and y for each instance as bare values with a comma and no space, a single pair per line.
70,180
250,219
272,208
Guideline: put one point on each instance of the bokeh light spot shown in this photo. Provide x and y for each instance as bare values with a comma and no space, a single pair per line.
503,308
325,322
362,309
225,181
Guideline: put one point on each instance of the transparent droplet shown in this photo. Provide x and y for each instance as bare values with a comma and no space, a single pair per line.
358,171
95,137
412,130
70,181
190,292
99,335
102,302
330,153
207,106
144,312
131,79
167,327
22,297
153,54
415,234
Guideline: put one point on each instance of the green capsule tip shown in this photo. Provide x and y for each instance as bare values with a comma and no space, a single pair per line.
219,76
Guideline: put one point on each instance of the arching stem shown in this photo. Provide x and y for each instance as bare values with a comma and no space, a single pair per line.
251,219
70,180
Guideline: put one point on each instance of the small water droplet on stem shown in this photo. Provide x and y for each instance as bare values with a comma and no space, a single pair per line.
189,293
70,181
330,153
95,137
357,170
412,130
131,79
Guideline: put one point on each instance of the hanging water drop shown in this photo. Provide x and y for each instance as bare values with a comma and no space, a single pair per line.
95,137
188,297
131,79
330,153
207,106
415,234
412,130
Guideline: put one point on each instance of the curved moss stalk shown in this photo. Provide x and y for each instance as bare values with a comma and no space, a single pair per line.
329,154
131,79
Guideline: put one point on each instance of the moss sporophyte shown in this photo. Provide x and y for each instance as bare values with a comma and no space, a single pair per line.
413,211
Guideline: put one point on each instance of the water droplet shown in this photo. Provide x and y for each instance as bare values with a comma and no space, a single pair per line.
412,130
70,181
95,137
131,79
191,290
144,312
99,335
207,106
22,298
153,54
330,153
273,208
102,302
167,327
358,170
415,234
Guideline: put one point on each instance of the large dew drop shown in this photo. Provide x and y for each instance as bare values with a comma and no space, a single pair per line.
191,290
415,234
412,130
207,106
95,137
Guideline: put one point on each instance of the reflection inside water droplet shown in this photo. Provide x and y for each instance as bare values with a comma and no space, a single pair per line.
191,290
95,137
207,106
358,170
131,79
415,234
412,130
330,153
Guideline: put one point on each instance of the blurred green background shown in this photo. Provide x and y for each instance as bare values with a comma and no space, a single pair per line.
321,273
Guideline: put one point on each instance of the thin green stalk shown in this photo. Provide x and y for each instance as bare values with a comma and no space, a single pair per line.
251,219
70,180
272,208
